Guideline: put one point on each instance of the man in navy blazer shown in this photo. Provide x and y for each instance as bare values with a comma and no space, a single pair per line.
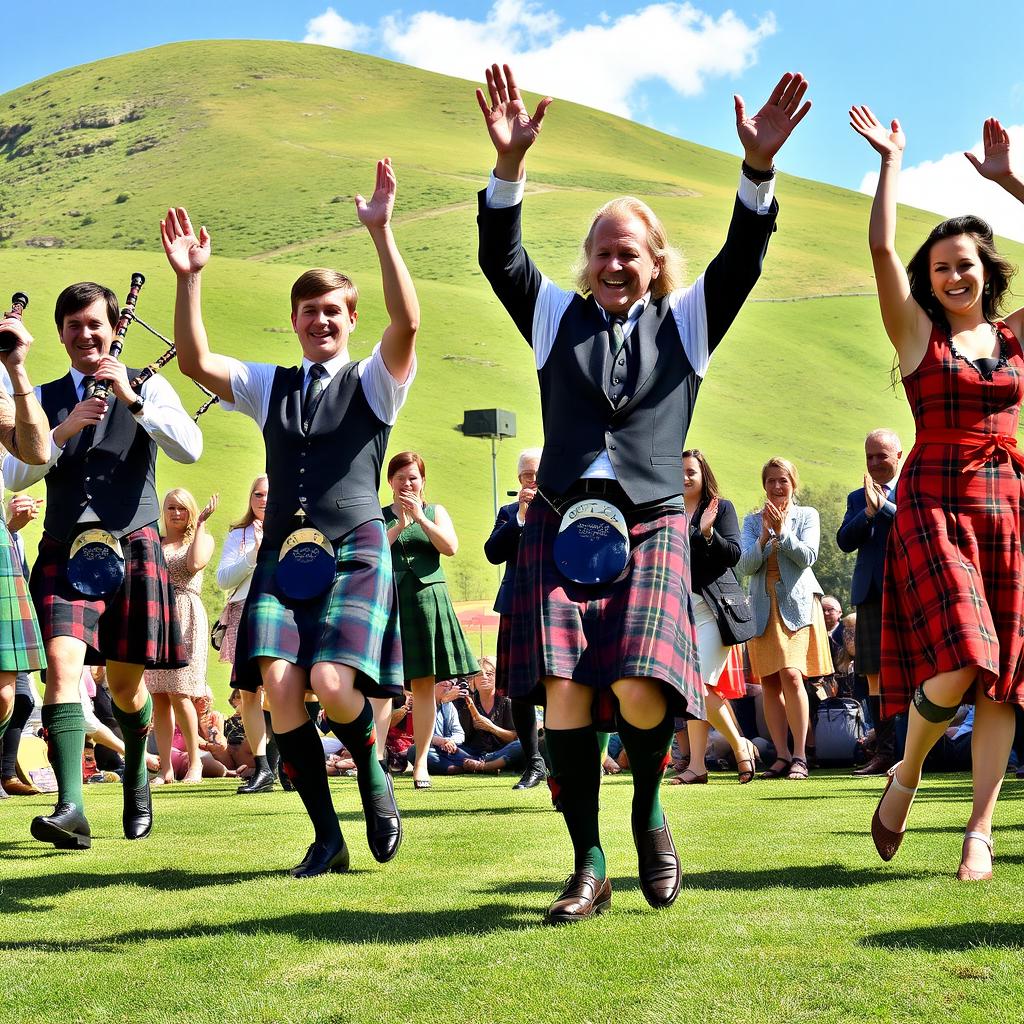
503,546
866,525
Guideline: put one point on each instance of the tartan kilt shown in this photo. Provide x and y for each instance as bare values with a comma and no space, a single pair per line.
136,624
868,641
354,622
503,652
639,625
21,643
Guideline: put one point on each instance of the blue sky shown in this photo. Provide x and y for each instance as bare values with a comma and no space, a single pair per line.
940,67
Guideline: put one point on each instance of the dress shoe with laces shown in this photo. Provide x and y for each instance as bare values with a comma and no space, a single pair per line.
383,824
321,858
886,841
534,775
583,896
261,781
137,816
878,765
658,863
67,828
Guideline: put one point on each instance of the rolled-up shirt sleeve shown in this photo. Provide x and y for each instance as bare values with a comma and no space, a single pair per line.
19,475
163,417
385,395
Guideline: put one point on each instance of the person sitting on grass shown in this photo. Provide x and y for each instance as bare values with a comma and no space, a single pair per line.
446,754
487,721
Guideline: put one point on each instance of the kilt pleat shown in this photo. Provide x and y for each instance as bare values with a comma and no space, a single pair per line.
355,622
137,624
21,643
868,641
639,625
433,643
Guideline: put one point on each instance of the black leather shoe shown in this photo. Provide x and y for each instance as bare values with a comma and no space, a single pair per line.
660,873
383,825
534,775
261,781
137,816
583,896
66,828
321,858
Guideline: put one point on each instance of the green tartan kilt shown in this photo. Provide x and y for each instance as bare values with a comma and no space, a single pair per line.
21,644
433,643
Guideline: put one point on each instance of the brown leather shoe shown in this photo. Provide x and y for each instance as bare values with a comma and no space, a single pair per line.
878,765
966,874
660,873
888,842
16,787
583,896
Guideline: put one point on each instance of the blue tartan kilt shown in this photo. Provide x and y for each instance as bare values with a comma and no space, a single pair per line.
354,622
21,644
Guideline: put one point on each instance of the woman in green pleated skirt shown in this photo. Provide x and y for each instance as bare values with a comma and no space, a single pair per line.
433,644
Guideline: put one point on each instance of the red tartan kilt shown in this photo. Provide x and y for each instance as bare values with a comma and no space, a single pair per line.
136,624
504,652
639,626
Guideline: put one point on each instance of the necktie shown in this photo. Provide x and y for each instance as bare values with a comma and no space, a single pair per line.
617,338
314,389
88,387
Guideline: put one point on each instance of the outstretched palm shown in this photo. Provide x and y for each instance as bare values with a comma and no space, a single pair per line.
511,128
764,134
377,212
996,164
187,252
885,142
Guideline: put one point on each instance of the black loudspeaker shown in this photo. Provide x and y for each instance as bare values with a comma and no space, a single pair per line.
489,423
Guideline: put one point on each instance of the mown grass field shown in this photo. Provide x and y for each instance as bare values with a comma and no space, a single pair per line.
785,914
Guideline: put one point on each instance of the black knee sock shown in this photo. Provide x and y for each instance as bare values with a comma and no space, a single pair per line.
575,782
302,756
358,736
648,752
524,721
273,755
23,705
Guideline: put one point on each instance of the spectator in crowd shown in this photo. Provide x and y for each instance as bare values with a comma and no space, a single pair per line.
779,547
234,573
231,746
445,753
188,548
486,718
832,610
714,550
399,738
865,529
503,546
104,733
433,644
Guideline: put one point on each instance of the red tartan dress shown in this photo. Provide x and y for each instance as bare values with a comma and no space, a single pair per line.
954,575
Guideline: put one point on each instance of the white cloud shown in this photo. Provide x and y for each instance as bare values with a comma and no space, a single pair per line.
331,29
951,186
601,65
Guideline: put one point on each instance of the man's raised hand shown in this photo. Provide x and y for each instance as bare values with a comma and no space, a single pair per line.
377,212
187,252
511,128
764,134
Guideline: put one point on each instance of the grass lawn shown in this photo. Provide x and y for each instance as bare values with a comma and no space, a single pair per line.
786,915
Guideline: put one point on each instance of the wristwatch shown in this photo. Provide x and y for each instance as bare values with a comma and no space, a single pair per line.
137,406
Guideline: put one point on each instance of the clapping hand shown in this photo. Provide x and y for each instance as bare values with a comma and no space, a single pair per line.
209,508
411,508
377,212
186,252
889,143
708,517
996,164
874,497
511,128
764,134
773,517
21,510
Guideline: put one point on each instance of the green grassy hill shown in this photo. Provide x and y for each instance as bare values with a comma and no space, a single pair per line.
267,142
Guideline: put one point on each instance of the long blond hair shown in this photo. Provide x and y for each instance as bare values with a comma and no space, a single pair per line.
186,499
665,256
249,517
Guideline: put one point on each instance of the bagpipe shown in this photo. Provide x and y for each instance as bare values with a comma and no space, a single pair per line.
19,302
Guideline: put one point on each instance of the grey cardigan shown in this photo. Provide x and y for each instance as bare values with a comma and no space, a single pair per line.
797,551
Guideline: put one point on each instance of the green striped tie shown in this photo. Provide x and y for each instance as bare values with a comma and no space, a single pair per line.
617,337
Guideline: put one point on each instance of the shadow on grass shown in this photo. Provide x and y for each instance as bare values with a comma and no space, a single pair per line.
950,937
351,926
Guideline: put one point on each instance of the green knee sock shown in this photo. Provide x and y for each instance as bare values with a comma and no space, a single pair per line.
648,752
135,727
359,737
603,739
6,722
65,740
575,783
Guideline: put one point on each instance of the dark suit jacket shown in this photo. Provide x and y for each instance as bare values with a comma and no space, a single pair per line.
709,561
503,546
868,537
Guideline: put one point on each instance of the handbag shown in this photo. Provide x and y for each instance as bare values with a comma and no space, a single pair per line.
732,609
218,630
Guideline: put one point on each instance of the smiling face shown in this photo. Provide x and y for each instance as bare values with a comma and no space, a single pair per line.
693,478
883,458
323,324
620,266
87,334
957,275
778,487
407,480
